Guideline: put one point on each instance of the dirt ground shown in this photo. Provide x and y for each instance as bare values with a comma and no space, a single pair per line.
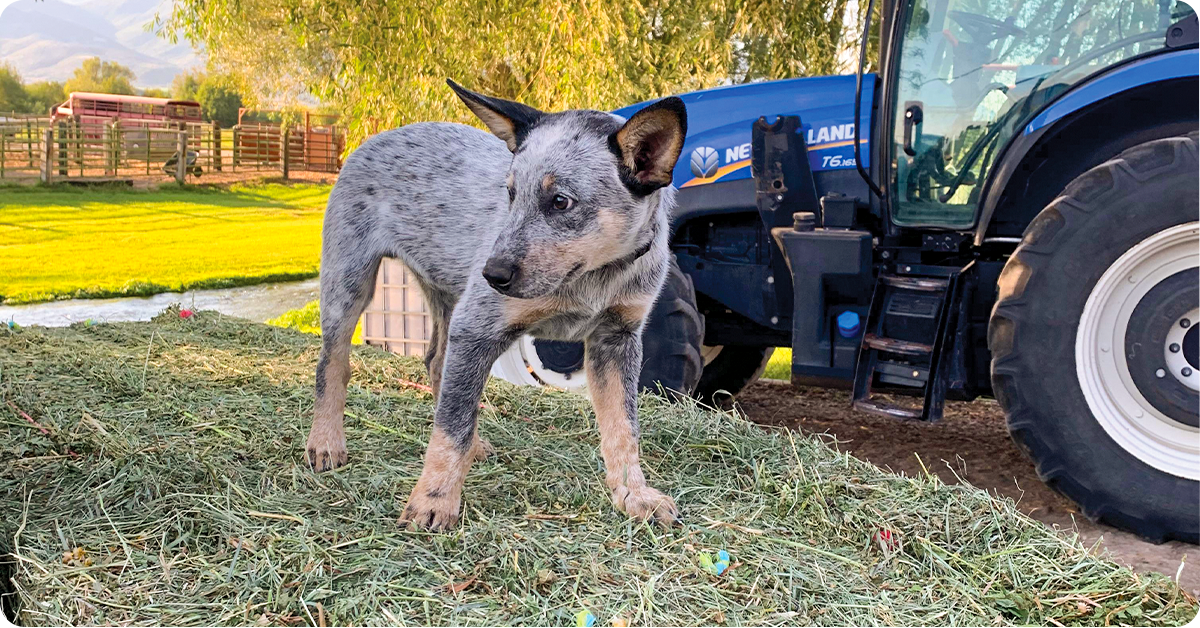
970,444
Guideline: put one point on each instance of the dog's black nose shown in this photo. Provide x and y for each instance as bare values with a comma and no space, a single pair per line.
499,274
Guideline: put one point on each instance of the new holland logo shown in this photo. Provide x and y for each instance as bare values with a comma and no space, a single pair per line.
704,162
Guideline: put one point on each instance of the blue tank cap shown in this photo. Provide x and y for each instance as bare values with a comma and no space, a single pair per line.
847,323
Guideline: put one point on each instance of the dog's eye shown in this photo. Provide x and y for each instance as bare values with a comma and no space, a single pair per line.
561,203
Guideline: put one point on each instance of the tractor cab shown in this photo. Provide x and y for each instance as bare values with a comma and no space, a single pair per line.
963,78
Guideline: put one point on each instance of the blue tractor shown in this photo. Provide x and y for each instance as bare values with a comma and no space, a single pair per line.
1008,208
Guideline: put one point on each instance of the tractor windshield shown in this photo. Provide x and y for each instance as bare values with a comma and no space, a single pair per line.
973,72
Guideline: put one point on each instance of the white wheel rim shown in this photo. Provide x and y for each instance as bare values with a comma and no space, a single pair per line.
1176,364
520,364
1112,396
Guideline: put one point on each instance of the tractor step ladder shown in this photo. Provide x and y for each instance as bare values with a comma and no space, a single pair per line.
907,338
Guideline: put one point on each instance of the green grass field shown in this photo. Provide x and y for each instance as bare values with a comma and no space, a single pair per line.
308,320
780,365
99,242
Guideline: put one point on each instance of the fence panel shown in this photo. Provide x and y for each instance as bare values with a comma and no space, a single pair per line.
85,151
94,148
146,150
257,147
323,149
20,146
206,139
397,318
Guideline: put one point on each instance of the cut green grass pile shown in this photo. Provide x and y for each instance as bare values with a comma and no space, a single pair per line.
63,242
168,489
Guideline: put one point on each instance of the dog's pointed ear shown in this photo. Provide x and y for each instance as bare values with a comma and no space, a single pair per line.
507,120
648,146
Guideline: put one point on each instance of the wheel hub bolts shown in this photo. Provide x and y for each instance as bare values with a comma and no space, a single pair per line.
1185,323
1174,348
1187,372
1160,373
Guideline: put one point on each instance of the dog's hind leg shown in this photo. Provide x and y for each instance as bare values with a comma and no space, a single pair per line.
613,362
347,282
436,499
440,307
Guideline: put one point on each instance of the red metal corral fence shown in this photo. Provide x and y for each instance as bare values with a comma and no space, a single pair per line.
121,138
315,143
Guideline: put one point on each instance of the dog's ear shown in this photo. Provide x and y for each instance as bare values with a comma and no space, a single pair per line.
648,146
507,120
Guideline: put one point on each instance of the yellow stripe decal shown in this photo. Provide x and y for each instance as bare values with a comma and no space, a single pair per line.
722,171
738,165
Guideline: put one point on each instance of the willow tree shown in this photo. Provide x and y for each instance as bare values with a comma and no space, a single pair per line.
383,63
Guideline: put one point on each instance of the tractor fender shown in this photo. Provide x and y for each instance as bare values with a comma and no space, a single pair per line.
1138,73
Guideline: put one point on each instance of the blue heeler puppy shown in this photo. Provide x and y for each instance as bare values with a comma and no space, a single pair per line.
557,229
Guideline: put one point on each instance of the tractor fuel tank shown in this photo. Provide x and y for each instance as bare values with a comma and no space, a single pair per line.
831,276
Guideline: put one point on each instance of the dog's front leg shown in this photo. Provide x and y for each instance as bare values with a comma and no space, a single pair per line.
436,499
614,362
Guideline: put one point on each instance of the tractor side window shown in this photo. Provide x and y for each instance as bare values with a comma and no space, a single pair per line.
972,73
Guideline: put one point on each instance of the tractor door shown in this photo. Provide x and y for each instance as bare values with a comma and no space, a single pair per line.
967,75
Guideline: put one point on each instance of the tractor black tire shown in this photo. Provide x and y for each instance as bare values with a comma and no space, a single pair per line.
734,368
1042,293
671,338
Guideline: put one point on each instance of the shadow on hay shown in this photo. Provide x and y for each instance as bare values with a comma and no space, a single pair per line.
8,597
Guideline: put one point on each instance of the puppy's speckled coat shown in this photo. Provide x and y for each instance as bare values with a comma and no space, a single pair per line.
557,229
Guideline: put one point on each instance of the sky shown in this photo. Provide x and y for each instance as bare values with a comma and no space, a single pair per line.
47,40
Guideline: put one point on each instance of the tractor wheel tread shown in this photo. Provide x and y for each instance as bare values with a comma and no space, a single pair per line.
1086,200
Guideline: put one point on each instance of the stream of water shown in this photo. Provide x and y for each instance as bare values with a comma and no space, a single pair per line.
256,303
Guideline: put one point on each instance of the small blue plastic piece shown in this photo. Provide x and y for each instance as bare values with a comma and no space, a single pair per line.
848,324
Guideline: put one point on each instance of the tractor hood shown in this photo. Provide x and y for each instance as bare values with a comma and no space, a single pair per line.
720,119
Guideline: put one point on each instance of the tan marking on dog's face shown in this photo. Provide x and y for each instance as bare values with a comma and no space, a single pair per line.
614,237
604,245
609,237
548,181
435,501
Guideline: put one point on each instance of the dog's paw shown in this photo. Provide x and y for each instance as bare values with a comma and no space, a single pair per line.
430,510
481,449
326,449
646,503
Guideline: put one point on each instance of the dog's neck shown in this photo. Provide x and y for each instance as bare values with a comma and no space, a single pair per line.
652,222
645,248
651,227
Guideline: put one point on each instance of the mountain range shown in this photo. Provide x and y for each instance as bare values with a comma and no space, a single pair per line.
48,39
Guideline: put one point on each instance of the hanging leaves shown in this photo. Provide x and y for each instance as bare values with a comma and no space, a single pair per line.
383,64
